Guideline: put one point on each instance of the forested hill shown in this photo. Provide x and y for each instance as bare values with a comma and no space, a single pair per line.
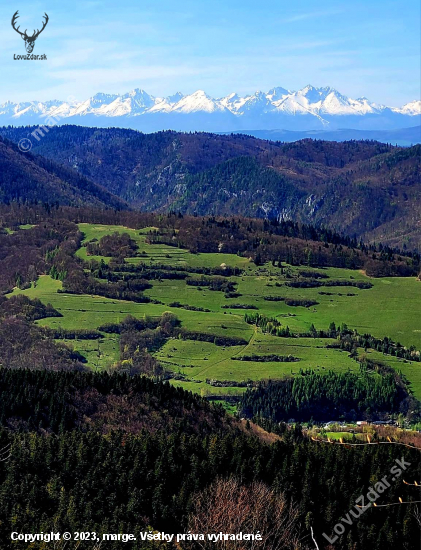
121,469
28,178
55,401
363,188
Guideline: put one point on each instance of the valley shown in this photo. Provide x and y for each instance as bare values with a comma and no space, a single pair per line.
210,284
385,309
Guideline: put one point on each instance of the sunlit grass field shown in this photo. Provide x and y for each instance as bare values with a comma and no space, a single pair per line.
390,308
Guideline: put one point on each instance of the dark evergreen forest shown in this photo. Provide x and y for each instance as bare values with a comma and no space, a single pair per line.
72,464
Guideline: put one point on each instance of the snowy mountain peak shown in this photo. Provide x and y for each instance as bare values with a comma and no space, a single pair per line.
100,98
199,93
306,109
412,109
138,92
277,93
313,95
198,101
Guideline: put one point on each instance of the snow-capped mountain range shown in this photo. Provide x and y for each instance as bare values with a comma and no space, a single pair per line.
307,109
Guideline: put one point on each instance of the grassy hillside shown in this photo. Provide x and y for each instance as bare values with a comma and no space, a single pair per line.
385,309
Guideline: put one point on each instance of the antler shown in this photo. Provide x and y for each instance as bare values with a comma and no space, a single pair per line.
14,18
35,35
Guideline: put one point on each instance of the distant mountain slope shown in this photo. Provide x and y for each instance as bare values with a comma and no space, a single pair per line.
144,169
307,109
237,185
402,136
362,188
28,178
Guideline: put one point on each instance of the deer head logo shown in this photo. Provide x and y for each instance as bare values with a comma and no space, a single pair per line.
29,40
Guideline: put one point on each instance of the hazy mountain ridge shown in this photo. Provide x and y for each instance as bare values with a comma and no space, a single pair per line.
310,108
400,136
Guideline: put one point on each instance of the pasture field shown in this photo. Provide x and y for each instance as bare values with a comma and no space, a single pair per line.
390,308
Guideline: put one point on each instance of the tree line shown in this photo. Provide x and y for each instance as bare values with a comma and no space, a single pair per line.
323,397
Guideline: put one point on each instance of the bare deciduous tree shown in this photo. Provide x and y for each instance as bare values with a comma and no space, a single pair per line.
227,506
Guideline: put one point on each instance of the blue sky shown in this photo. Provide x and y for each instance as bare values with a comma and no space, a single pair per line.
362,48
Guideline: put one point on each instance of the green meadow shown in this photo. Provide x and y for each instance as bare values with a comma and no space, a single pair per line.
389,308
